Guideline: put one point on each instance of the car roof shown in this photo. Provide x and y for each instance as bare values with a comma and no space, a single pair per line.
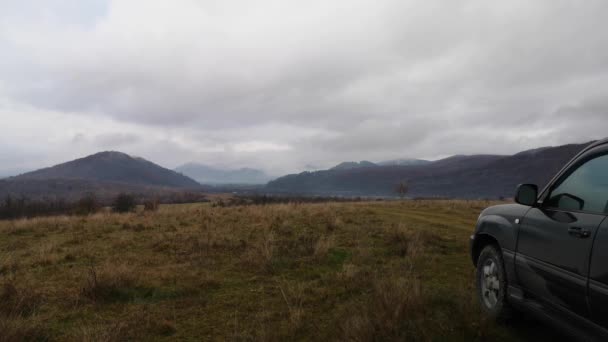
596,144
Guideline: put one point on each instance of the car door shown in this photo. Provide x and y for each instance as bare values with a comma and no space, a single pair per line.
598,277
556,237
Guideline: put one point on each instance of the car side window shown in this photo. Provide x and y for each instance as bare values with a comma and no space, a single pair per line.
585,189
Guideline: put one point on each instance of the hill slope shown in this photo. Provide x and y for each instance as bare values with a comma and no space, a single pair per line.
112,167
458,176
404,162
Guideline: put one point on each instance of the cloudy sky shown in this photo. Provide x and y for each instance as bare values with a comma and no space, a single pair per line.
288,85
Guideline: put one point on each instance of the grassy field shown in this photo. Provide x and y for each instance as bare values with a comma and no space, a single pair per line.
372,271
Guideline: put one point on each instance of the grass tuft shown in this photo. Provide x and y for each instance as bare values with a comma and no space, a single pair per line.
109,283
394,312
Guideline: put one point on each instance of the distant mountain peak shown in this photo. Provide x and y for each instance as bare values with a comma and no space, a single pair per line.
113,166
353,165
205,174
109,154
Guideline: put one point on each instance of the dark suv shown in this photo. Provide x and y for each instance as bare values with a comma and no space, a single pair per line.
548,253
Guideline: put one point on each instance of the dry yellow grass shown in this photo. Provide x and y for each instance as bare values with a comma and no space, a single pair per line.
335,271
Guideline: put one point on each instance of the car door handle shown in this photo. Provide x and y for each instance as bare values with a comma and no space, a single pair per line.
579,232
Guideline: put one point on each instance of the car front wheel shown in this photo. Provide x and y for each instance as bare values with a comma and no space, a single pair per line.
492,284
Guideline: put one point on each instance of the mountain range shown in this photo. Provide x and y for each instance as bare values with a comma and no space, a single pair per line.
215,176
461,176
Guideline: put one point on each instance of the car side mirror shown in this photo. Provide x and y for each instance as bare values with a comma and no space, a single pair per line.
527,194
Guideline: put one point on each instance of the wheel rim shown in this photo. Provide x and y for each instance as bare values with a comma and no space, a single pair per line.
490,284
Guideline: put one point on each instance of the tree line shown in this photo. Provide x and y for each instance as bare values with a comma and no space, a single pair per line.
17,207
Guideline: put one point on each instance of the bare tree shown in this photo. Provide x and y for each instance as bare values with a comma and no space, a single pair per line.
402,189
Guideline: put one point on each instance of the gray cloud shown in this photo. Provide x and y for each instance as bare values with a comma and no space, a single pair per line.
283,84
113,140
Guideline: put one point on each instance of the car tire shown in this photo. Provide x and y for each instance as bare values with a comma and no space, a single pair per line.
492,284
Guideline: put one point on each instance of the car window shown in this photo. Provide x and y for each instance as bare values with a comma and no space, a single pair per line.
584,189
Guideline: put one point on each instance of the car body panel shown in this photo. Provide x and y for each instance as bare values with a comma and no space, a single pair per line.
552,264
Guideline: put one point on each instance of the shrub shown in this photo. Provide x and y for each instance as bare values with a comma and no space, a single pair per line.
124,203
151,205
88,205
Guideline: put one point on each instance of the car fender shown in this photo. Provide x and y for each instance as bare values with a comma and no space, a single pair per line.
499,225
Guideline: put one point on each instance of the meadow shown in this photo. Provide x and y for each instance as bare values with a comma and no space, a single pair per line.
361,271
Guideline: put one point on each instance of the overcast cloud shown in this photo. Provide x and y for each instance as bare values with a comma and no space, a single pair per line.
283,84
